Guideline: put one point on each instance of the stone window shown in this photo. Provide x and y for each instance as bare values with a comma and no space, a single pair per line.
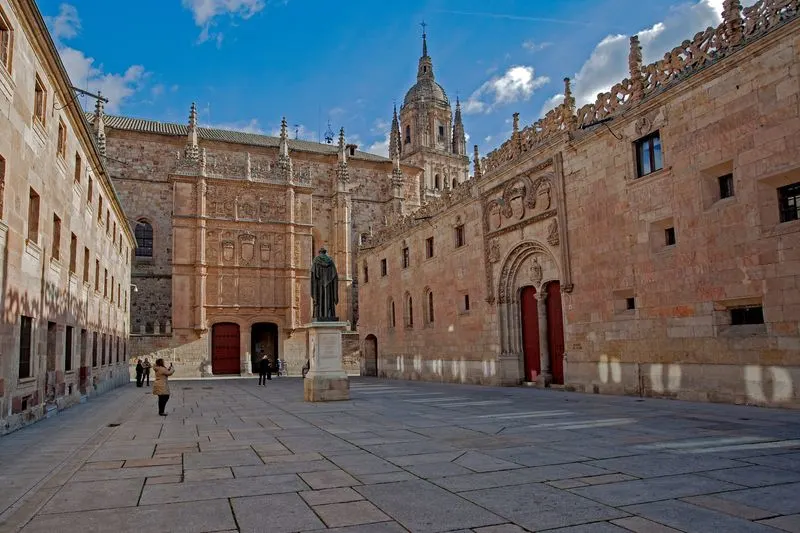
97,275
100,209
455,183
114,234
103,349
61,146
725,186
56,248
112,289
108,221
90,191
751,314
429,247
630,303
39,101
25,347
625,302
366,273
78,167
406,257
105,283
437,182
33,217
429,315
409,311
648,154
383,267
94,349
392,316
144,239
73,253
669,237
441,133
789,202
408,134
459,236
68,350
6,42
464,305
85,265
52,341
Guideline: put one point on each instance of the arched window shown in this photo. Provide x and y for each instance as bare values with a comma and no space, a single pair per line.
455,183
144,239
428,307
409,311
437,182
408,134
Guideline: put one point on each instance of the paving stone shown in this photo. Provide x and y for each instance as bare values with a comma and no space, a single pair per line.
423,507
423,458
638,524
279,513
790,523
189,517
380,527
388,477
221,458
567,483
437,470
329,479
479,462
653,465
780,499
755,476
516,477
393,451
166,459
222,488
363,463
291,457
786,461
117,453
538,506
595,527
502,528
536,456
693,519
326,496
729,507
101,465
350,514
204,474
293,467
89,495
127,473
160,480
653,489
607,478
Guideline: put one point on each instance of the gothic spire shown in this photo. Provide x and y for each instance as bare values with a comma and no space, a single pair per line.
192,150
459,136
99,124
283,143
394,135
425,69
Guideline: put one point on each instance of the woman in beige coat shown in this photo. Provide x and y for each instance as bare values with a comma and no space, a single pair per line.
160,384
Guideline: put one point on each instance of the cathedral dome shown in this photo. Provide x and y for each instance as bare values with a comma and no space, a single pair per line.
426,89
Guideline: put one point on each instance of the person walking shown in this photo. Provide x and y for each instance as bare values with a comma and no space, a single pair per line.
263,370
146,365
139,372
161,385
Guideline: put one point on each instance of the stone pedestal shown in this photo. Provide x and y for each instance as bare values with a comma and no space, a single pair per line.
326,380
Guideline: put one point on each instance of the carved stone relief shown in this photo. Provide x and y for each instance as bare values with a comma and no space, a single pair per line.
552,233
247,242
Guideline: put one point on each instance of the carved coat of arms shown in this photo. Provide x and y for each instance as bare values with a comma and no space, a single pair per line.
248,244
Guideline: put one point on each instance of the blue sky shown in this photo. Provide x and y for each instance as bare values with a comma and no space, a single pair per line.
247,63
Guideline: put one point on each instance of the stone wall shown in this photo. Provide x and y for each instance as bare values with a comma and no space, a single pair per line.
49,221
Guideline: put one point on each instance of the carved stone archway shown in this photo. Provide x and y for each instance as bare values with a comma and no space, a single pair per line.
528,264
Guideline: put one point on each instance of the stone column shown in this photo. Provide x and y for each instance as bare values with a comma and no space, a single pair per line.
544,347
244,350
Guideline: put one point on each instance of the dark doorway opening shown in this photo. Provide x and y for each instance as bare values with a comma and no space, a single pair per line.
264,340
371,356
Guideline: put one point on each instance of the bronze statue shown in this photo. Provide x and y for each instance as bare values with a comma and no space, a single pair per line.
324,288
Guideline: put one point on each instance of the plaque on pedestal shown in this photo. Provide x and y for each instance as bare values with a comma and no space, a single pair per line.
326,379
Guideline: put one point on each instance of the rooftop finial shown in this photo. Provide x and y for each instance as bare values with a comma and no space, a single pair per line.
424,39
341,139
193,116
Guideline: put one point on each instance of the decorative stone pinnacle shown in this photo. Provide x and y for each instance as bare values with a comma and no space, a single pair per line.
516,122
99,106
635,68
732,20
341,139
193,116
283,128
477,163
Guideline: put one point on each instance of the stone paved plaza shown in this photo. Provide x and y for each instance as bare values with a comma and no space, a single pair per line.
401,456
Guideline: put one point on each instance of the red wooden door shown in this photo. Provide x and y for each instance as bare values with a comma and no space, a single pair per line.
555,331
225,349
530,333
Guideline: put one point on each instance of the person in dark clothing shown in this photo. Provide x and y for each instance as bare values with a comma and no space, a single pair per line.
263,370
147,366
139,372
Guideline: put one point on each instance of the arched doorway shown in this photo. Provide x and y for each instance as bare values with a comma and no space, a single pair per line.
371,356
264,340
530,333
555,331
225,349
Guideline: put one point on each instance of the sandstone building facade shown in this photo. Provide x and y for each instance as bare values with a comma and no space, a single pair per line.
65,242
648,243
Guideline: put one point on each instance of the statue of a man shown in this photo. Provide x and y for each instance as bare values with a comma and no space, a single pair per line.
324,288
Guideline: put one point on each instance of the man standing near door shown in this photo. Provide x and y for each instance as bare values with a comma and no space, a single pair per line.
263,370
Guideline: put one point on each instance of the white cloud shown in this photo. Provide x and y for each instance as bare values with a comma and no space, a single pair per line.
608,62
533,46
517,84
82,69
116,87
380,147
66,24
157,90
206,13
251,126
551,103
